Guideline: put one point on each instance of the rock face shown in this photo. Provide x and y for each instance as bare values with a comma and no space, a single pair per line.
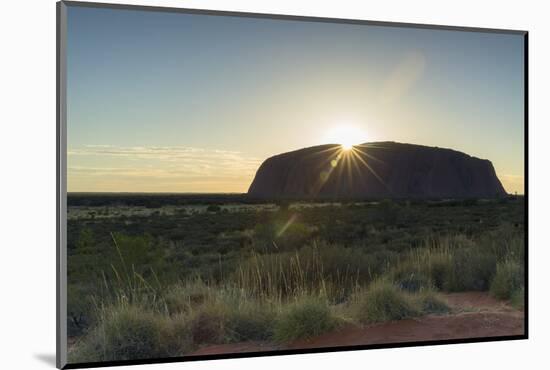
376,170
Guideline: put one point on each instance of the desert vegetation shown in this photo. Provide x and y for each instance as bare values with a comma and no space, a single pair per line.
171,281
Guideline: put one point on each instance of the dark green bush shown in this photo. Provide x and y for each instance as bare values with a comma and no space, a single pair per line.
471,270
182,299
304,319
127,332
407,276
80,309
518,298
508,279
209,325
383,301
430,303
250,324
439,269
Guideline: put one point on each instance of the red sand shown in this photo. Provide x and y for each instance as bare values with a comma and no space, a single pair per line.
474,315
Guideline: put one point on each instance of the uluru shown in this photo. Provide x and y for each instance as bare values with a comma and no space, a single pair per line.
376,170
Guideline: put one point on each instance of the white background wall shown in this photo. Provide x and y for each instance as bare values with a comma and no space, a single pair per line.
27,183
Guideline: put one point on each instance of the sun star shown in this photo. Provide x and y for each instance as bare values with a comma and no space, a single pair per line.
346,136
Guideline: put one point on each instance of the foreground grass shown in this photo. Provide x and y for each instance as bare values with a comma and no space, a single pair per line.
288,295
224,315
508,280
383,301
129,332
429,302
304,319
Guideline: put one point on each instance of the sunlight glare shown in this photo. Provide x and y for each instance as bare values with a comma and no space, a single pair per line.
346,146
346,136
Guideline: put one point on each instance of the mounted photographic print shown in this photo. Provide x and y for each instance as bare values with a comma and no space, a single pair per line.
236,184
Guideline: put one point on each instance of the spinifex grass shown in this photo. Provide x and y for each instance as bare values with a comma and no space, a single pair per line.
319,269
508,280
383,301
455,263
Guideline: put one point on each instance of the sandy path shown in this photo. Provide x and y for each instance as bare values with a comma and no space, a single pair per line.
475,315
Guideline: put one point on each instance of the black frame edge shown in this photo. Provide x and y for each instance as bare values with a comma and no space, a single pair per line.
526,177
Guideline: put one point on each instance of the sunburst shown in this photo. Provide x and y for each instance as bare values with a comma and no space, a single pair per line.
346,136
351,157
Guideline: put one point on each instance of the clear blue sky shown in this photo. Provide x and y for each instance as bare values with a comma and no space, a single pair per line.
176,102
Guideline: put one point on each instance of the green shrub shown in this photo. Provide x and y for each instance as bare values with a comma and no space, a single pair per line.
304,319
507,280
176,339
87,349
183,298
126,332
132,333
518,298
383,301
430,302
208,326
79,309
471,270
251,324
505,242
284,235
439,267
229,315
450,263
135,254
406,276
221,314
329,268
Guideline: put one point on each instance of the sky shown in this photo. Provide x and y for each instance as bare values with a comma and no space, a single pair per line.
171,102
